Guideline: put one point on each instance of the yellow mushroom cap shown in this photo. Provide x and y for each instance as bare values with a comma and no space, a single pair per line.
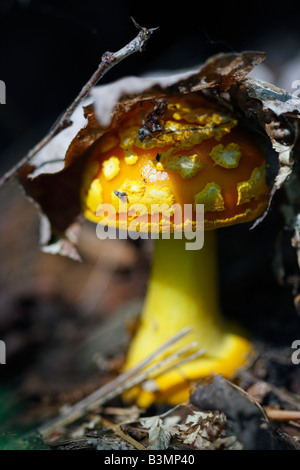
194,153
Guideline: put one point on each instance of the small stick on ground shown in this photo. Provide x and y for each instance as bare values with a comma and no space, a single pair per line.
117,430
108,60
282,415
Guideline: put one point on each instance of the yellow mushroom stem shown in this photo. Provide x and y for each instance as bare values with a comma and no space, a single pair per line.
200,156
183,292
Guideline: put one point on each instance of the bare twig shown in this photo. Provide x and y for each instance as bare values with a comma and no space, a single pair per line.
282,415
108,60
117,430
172,361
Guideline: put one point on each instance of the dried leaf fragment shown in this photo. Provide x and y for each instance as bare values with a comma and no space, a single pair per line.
158,435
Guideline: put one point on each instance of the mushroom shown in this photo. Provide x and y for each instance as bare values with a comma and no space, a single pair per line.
182,150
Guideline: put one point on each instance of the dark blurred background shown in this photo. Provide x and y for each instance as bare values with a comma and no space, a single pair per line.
51,307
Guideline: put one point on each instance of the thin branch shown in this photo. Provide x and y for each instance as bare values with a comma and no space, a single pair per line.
282,415
117,430
108,60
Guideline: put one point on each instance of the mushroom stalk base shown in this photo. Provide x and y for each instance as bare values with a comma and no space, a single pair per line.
182,292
